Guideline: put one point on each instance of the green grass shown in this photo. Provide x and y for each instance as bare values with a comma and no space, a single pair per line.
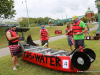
93,32
3,40
90,26
12,22
28,68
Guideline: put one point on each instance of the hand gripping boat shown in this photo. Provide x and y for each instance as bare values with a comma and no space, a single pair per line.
78,60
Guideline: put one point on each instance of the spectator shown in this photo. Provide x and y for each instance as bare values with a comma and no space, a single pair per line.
44,35
69,34
79,28
13,39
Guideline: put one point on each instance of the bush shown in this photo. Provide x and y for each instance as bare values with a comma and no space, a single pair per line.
60,24
85,19
33,25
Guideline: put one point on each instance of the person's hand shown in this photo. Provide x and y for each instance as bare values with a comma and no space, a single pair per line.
37,44
17,37
48,38
40,39
68,31
78,33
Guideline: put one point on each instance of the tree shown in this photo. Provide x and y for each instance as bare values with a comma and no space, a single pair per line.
46,19
7,9
96,17
24,23
34,21
71,22
40,20
85,19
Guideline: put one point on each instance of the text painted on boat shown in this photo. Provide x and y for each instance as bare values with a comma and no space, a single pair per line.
54,60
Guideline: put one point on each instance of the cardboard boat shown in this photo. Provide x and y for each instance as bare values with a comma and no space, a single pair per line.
60,60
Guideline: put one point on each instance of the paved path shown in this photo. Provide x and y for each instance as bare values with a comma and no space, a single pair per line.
5,51
95,27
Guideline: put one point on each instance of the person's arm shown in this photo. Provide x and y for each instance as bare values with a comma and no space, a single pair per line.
8,34
40,36
73,33
67,31
48,34
85,30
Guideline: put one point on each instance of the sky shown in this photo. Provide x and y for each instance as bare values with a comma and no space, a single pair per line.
56,9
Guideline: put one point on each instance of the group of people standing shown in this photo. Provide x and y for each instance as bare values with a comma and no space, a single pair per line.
76,33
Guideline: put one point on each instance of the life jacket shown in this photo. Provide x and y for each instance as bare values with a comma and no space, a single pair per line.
76,28
44,34
13,34
70,33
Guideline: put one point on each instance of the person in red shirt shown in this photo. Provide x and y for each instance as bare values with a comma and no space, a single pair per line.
13,39
44,35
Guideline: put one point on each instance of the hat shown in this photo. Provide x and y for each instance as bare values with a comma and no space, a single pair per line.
74,17
13,26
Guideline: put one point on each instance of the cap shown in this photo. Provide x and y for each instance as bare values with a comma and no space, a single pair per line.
74,17
13,26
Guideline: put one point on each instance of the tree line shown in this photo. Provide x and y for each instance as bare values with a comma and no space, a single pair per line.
38,21
34,21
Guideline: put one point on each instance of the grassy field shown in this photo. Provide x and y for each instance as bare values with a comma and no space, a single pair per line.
28,68
90,25
11,22
34,31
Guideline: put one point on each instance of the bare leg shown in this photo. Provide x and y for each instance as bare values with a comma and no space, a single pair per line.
13,60
16,60
71,48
